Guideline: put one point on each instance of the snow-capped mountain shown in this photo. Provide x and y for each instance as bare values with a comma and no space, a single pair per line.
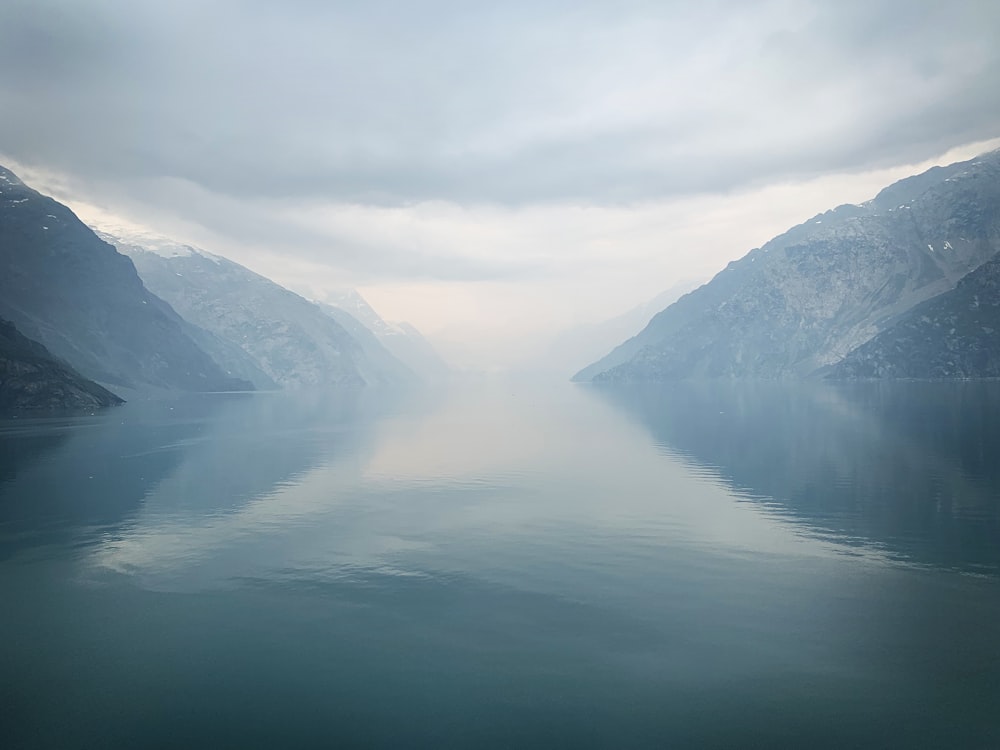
258,329
404,341
812,295
61,286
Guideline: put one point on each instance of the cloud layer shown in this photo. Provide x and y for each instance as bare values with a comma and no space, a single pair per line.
392,102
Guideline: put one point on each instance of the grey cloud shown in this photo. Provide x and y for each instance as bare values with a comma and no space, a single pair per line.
395,101
246,227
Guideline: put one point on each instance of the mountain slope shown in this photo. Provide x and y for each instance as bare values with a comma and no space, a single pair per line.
953,335
32,380
286,338
372,348
404,341
811,295
65,288
574,347
410,346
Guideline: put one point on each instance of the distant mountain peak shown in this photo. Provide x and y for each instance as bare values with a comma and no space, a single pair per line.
259,329
402,339
351,301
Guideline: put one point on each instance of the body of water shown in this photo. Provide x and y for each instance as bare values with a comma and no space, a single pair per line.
505,565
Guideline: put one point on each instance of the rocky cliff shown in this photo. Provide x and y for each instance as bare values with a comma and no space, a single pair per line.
32,381
63,286
953,335
264,332
810,296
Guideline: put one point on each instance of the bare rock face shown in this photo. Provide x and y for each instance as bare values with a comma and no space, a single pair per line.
257,329
954,335
64,287
32,381
812,295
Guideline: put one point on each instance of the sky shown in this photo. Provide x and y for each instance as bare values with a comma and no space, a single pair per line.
490,172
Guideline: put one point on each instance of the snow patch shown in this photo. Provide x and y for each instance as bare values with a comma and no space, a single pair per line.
168,250
130,242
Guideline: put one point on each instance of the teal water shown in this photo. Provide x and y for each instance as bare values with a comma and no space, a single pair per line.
503,565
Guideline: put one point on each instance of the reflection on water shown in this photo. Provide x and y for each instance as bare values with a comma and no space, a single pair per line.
198,454
908,467
497,566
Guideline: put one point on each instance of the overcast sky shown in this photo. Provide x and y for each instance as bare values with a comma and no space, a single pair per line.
492,171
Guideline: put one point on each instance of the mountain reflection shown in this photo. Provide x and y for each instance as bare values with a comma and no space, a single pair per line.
63,475
908,467
195,455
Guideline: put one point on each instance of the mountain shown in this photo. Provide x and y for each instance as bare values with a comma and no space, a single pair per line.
953,335
370,344
404,341
65,288
574,347
810,296
262,331
33,381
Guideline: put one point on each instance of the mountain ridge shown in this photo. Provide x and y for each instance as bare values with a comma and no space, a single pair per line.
267,333
64,287
403,340
808,297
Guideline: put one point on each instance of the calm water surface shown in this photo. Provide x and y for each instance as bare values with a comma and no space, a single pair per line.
505,565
